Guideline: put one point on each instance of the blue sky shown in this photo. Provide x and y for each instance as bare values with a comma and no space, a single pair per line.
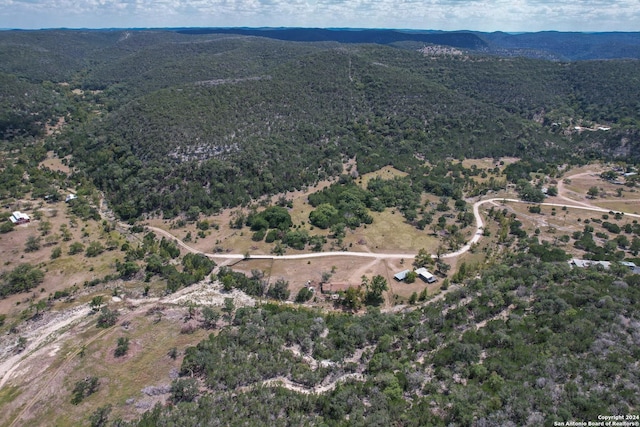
482,15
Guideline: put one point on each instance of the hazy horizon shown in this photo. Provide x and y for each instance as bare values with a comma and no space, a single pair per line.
446,15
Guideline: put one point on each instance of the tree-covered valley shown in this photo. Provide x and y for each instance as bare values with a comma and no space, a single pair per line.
171,121
216,222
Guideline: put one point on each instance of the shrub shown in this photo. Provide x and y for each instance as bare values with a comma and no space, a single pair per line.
184,390
76,248
304,295
84,388
122,348
94,249
23,278
107,318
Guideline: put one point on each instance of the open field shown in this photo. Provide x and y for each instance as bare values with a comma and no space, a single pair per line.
487,163
67,270
386,172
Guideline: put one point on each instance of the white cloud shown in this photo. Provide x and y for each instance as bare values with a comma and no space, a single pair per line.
485,15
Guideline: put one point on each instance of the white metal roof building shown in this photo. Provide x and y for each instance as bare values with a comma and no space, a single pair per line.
425,275
401,275
18,217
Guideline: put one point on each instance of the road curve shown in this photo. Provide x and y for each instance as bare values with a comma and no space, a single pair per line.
477,235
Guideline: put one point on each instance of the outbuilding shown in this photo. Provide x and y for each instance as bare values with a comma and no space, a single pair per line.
424,274
18,218
401,275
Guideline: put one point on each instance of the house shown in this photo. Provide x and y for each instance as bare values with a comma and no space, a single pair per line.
401,275
585,263
70,197
19,218
424,274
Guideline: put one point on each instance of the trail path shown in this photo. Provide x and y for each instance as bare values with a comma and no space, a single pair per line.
477,235
563,192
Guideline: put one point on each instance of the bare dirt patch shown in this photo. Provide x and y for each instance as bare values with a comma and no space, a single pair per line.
387,172
489,163
55,164
63,347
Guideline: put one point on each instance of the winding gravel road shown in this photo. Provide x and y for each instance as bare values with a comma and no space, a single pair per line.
477,235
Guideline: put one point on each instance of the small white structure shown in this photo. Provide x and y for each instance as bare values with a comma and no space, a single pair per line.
70,197
19,218
585,263
424,274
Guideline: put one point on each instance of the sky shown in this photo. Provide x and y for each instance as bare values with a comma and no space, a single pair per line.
479,15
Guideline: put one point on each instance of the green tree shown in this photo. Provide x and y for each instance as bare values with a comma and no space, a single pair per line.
32,244
228,282
228,308
413,298
209,317
193,213
107,318
304,295
40,306
6,227
76,248
100,417
279,290
44,227
411,277
184,390
442,267
66,233
96,302
122,347
323,216
21,279
84,388
353,297
94,249
593,192
337,231
422,259
375,289
56,252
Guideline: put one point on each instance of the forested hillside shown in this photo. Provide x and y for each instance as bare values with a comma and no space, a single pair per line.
530,343
171,121
104,319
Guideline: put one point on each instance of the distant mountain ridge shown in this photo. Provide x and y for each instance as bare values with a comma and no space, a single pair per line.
465,40
551,45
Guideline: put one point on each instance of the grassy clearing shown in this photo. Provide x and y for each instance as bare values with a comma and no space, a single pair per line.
620,205
390,233
7,395
488,164
145,364
387,172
